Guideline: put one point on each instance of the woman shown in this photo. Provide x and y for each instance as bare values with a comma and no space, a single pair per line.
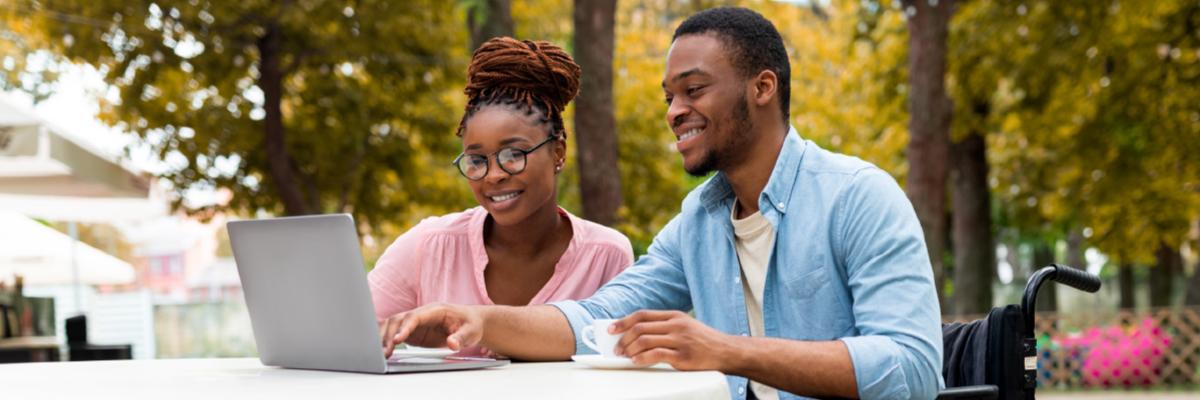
518,247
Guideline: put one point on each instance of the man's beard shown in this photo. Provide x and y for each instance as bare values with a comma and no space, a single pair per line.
730,151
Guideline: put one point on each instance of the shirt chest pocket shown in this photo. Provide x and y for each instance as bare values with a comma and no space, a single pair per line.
813,306
806,284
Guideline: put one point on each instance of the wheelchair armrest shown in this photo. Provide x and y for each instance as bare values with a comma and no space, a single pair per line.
970,392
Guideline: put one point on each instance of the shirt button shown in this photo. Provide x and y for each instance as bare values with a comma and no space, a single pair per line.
745,334
737,280
741,390
781,206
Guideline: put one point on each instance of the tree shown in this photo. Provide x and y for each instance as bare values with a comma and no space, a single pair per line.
1193,288
595,124
849,80
651,177
1168,267
487,19
1043,255
1099,129
974,246
295,106
1080,140
1125,283
977,69
1192,298
1066,150
24,65
929,124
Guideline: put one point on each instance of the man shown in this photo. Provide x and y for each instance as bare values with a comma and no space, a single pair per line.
807,270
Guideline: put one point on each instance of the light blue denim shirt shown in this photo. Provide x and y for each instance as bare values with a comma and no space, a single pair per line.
849,263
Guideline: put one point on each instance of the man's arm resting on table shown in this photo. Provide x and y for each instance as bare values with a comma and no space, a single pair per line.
870,366
534,333
815,369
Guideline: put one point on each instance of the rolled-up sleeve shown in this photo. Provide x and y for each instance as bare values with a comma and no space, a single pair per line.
578,317
898,352
655,282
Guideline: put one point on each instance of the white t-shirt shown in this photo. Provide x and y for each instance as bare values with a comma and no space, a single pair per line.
754,239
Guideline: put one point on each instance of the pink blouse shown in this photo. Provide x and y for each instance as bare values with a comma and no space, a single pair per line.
442,260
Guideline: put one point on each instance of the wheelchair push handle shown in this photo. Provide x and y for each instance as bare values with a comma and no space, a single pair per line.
1076,278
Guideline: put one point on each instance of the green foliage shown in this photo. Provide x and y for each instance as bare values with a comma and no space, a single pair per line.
369,95
652,176
1091,109
1092,120
849,80
24,65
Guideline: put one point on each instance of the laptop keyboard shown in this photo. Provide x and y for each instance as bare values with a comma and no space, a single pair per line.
416,360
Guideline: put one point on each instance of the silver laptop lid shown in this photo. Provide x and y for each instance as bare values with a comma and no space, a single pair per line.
306,290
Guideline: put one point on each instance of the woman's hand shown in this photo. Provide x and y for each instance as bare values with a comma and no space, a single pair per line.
491,354
433,325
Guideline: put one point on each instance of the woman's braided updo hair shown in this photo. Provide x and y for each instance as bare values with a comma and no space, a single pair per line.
524,75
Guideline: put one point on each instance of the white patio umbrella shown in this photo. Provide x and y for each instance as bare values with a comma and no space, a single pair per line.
96,210
43,256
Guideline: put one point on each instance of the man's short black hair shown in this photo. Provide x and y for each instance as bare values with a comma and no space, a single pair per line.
752,41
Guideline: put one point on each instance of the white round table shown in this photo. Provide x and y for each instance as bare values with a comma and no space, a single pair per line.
246,378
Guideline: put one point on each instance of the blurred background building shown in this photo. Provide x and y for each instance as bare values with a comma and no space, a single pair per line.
84,228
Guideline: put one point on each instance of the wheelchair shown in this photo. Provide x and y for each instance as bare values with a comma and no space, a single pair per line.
996,357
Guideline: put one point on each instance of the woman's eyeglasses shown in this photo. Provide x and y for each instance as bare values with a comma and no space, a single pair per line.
510,160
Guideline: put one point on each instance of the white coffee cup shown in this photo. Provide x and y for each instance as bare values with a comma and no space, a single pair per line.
596,337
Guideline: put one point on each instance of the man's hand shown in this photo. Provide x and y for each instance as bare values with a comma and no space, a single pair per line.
434,325
672,337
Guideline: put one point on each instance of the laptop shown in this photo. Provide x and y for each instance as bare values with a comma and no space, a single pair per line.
310,307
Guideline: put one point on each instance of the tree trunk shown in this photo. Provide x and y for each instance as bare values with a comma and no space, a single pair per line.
1047,298
1125,277
974,247
1012,250
929,124
1193,291
1163,275
1075,248
487,19
595,123
271,82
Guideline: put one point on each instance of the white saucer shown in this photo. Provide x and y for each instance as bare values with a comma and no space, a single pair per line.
602,362
424,352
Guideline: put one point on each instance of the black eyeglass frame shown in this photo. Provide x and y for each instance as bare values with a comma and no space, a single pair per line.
524,155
